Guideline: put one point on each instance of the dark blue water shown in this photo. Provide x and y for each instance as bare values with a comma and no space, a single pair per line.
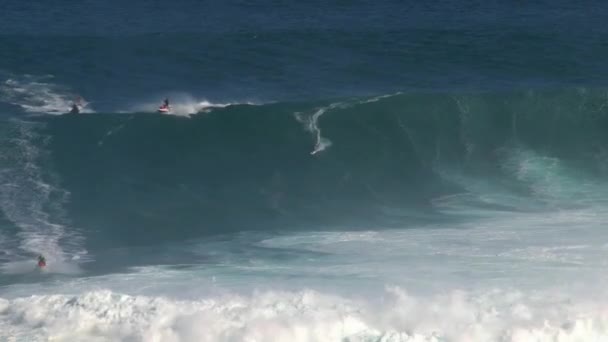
321,161
269,51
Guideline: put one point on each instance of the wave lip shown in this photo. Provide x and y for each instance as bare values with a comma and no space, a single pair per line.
184,106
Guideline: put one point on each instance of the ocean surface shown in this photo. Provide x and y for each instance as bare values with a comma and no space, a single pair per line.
330,171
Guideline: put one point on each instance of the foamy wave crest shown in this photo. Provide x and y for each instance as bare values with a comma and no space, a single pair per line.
303,316
36,94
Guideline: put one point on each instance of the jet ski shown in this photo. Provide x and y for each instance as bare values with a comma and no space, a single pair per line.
164,108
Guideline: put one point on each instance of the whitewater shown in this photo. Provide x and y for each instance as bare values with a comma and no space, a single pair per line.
356,286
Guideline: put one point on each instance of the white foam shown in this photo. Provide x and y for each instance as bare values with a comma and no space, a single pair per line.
55,265
512,278
551,182
311,121
190,108
312,125
532,250
484,197
391,315
181,104
37,94
30,197
553,179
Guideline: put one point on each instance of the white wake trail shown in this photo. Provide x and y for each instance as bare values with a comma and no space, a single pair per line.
31,198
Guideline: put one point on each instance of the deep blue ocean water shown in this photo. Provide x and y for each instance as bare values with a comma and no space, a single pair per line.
328,171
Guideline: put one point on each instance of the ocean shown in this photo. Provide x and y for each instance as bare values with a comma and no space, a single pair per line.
329,171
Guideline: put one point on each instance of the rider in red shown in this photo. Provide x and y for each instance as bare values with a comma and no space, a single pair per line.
41,261
165,104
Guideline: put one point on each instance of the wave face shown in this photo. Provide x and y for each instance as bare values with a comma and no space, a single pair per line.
388,160
237,168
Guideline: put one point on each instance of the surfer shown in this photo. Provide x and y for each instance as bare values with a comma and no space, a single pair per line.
41,261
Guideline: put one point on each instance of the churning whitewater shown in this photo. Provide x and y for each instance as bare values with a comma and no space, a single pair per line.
324,171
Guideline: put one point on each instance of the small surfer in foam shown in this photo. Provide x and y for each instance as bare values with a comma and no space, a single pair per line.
41,261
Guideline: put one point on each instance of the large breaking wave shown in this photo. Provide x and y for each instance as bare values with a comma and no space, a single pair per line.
137,178
283,195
